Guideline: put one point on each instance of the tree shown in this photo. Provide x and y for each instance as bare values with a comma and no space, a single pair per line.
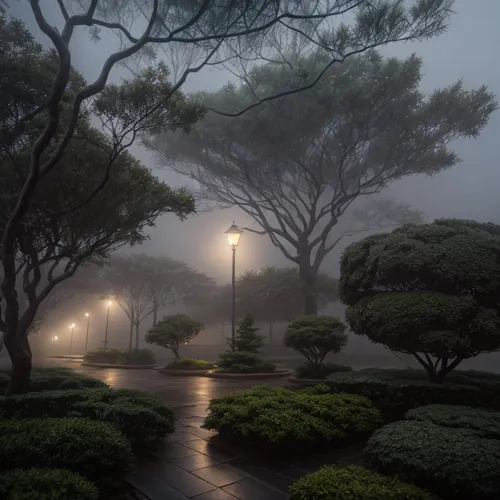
315,336
173,331
431,291
247,339
295,165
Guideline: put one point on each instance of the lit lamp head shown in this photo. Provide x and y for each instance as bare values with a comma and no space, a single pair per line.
72,325
87,314
233,235
109,303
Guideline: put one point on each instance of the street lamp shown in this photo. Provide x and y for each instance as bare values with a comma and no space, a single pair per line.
72,326
87,334
233,237
106,331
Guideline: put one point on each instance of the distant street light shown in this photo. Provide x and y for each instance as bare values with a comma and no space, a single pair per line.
233,237
87,334
106,331
54,339
72,326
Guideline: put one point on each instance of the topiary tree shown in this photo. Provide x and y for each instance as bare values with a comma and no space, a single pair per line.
431,291
314,337
247,339
173,331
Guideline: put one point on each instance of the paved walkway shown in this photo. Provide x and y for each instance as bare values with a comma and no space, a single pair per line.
192,463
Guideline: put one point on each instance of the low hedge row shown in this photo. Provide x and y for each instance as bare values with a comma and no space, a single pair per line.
45,484
395,392
354,483
95,450
121,357
319,372
243,362
43,379
281,420
189,364
449,450
138,415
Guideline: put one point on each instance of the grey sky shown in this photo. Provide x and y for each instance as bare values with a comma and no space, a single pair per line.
468,51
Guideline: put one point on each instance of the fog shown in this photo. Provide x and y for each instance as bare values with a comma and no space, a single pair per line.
468,51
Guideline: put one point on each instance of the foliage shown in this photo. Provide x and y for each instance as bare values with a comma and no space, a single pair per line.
247,339
138,415
315,336
45,484
353,483
366,119
173,331
395,392
43,379
321,371
283,420
455,463
120,357
95,450
428,290
189,364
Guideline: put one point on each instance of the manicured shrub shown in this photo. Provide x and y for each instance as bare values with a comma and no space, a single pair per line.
120,357
43,379
189,364
354,483
45,484
319,372
454,463
395,392
314,337
247,339
281,420
95,450
138,415
242,362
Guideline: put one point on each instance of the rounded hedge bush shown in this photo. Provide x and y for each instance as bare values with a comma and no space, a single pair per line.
454,463
138,415
395,392
189,364
45,484
243,362
279,419
354,483
322,371
93,449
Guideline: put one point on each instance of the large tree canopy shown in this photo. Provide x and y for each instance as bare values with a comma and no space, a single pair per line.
296,164
432,291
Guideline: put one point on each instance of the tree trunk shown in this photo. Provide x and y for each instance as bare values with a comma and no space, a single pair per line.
137,336
308,278
20,356
155,314
131,335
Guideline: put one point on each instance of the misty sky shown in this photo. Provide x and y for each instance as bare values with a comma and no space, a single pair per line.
470,190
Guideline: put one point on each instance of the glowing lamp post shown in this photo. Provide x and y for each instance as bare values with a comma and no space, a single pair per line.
87,334
233,237
106,331
72,326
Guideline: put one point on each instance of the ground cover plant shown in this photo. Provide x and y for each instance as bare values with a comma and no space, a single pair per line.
120,357
189,364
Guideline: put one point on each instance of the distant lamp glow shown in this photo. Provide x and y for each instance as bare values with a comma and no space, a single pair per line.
56,338
72,325
87,314
109,303
233,235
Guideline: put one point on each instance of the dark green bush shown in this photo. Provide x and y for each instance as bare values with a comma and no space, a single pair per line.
189,364
454,463
95,450
395,392
45,484
354,483
140,416
43,379
120,357
319,372
281,420
243,362
484,423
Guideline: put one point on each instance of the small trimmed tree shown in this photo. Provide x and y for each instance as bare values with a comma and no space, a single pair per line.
247,339
173,331
432,291
315,336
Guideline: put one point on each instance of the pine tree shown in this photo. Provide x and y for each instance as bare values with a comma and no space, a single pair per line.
247,339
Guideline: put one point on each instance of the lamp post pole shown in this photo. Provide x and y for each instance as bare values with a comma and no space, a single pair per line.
233,236
106,331
72,326
87,334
